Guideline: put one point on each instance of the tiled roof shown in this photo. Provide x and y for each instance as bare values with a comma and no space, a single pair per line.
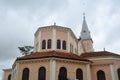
56,54
99,54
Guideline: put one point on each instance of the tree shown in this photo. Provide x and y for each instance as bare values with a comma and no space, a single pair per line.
26,49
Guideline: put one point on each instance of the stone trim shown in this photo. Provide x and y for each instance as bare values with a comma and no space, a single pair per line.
109,58
52,69
88,72
105,64
53,39
112,72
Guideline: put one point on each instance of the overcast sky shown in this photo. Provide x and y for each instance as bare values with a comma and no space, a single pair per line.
19,19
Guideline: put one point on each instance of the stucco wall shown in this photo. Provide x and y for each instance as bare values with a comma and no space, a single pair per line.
7,72
34,68
54,33
71,67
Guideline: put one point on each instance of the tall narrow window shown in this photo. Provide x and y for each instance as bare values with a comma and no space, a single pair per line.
64,45
79,74
71,48
49,44
118,71
100,75
62,74
43,44
25,74
58,44
9,77
42,73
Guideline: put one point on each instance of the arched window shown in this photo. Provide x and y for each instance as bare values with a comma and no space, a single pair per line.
25,74
118,71
101,75
64,45
79,74
58,44
49,44
62,74
42,73
43,44
9,77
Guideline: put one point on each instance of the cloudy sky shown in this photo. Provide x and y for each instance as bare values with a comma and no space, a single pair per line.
19,19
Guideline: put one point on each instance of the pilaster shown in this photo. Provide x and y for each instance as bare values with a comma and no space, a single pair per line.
88,72
53,39
39,46
112,72
52,69
68,45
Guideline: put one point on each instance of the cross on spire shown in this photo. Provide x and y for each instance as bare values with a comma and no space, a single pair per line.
54,23
84,16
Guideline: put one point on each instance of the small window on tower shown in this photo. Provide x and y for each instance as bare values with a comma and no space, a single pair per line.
58,44
9,77
49,44
43,44
64,45
84,31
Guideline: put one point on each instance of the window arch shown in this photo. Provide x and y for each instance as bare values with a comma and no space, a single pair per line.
79,74
118,71
101,75
42,73
49,44
9,77
62,74
25,74
64,45
44,44
58,44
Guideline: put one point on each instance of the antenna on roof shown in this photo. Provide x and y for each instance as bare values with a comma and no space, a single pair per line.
104,49
54,23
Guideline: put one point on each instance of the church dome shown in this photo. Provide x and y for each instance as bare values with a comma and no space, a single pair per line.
55,37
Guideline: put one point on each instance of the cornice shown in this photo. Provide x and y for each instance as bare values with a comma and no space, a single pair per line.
104,64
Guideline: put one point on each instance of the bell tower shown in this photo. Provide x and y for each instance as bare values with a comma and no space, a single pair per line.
85,43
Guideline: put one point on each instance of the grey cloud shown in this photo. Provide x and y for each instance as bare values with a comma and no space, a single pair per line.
34,4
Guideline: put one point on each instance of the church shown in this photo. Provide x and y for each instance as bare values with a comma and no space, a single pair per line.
60,55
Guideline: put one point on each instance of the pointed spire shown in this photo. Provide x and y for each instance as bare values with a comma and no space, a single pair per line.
85,33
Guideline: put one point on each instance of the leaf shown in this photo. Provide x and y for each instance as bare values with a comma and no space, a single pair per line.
26,49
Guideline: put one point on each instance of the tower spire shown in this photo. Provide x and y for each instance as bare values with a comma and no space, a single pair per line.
86,43
85,33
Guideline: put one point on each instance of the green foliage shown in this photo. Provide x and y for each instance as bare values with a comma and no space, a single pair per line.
26,49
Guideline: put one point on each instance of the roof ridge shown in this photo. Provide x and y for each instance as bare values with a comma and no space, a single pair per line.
98,54
57,54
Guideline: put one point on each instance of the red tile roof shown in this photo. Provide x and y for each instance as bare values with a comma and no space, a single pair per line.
56,54
99,54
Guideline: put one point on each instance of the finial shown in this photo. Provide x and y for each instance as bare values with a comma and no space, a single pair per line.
84,15
54,23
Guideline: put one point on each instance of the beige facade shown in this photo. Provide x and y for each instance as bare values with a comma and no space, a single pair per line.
55,33
48,63
7,74
60,55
